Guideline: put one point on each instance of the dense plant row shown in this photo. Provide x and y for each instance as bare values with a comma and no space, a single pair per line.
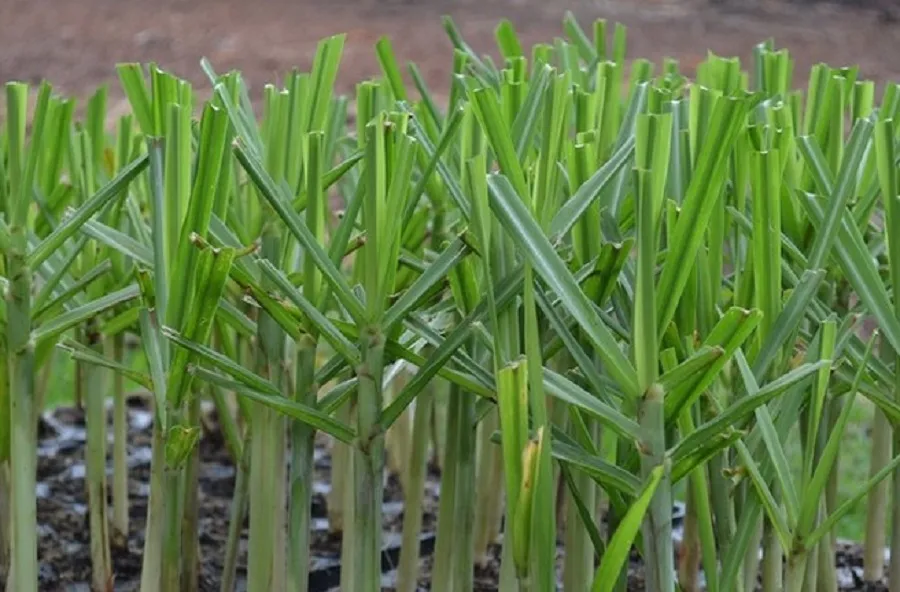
606,289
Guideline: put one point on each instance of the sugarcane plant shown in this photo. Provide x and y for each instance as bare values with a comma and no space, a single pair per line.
579,295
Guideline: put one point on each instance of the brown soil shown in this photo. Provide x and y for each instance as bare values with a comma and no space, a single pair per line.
76,44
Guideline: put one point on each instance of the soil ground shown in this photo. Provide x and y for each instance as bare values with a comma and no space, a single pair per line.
76,44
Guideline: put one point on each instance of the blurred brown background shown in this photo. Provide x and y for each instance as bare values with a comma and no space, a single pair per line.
76,43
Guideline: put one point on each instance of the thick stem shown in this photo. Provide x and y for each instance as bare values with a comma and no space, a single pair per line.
463,547
489,509
659,556
301,480
773,562
442,570
341,472
172,552
120,449
689,557
266,565
238,515
190,534
826,579
24,415
751,558
578,567
349,544
5,483
151,569
894,566
397,442
877,503
722,502
796,572
408,570
810,582
94,391
5,518
369,463
263,476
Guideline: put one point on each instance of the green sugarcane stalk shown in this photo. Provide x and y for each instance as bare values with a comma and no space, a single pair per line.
489,488
302,470
369,462
23,448
772,561
238,514
417,468
795,572
94,389
464,519
120,448
151,568
689,557
267,515
190,540
442,570
751,557
894,566
340,473
5,483
657,527
174,515
877,503
5,518
578,567
152,565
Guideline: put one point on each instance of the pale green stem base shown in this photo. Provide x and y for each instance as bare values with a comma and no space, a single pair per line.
578,567
263,476
120,451
302,448
408,570
190,540
773,562
24,474
5,518
826,580
751,559
238,514
689,557
796,573
659,556
172,551
894,566
95,464
341,473
489,511
442,570
151,569
877,502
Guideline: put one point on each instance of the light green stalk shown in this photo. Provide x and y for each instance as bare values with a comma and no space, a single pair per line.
95,462
408,570
302,475
23,413
489,488
190,539
877,504
238,514
120,448
578,569
369,462
442,569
